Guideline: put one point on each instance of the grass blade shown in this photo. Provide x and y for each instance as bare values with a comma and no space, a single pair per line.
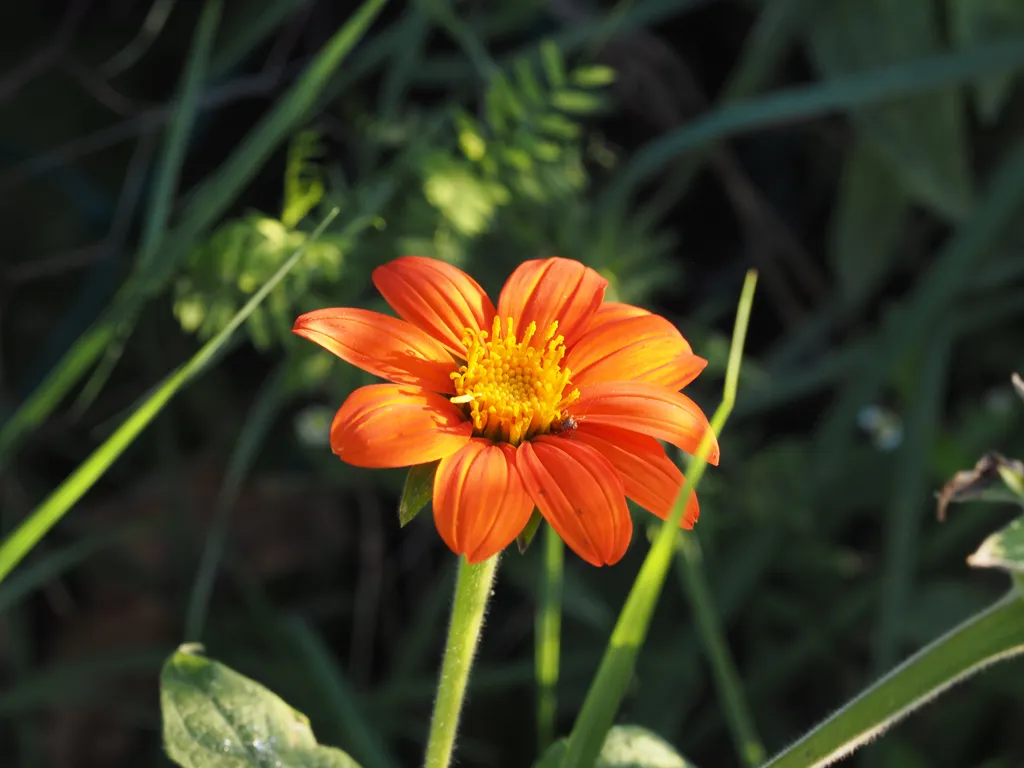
548,638
167,175
46,569
791,104
938,288
992,635
46,515
903,520
617,665
360,737
205,207
257,423
689,562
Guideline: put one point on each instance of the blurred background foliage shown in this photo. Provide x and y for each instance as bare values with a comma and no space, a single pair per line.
864,155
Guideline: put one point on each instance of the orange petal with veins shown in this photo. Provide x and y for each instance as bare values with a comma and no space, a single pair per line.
382,345
649,476
580,494
637,348
436,297
648,409
480,505
391,425
545,290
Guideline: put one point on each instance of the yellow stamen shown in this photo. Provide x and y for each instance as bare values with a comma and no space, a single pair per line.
512,390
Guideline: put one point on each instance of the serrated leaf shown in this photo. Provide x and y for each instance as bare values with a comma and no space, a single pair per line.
526,535
418,490
922,136
558,126
625,746
867,223
593,76
976,22
553,63
214,717
1003,549
577,102
527,81
502,104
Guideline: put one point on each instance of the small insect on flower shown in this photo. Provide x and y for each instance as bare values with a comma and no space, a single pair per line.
568,424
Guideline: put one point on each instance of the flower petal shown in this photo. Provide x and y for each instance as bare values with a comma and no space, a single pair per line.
613,311
480,505
639,348
435,296
649,476
648,409
390,425
580,494
382,345
544,290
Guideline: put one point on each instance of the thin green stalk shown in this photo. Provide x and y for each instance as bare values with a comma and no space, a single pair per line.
689,562
992,635
52,510
616,669
201,211
911,486
472,590
804,102
257,423
547,645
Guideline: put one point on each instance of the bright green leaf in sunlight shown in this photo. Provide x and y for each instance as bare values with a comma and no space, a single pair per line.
215,717
974,22
418,489
303,178
922,136
1003,549
626,746
467,201
593,76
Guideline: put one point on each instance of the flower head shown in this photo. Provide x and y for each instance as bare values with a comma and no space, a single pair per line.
554,399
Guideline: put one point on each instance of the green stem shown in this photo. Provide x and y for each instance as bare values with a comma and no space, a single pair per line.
472,589
689,561
994,634
548,638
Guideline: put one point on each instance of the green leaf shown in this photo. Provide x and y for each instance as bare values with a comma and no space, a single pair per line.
528,84
923,136
1003,549
974,22
526,536
20,542
630,746
625,746
553,62
594,76
418,490
868,221
577,102
303,178
216,718
559,126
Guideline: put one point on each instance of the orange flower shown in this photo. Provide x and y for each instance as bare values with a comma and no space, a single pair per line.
553,400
